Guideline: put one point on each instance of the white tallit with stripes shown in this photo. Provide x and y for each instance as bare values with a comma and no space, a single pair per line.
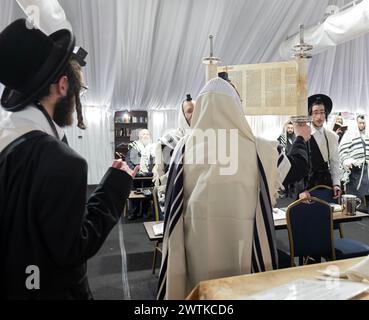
354,150
212,233
168,142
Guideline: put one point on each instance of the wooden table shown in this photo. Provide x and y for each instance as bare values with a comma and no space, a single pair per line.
150,232
157,239
143,182
143,178
282,224
337,217
135,196
238,288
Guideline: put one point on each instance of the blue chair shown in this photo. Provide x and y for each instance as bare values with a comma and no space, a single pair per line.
325,193
310,232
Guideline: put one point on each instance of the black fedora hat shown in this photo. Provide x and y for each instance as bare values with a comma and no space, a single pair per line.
30,61
321,99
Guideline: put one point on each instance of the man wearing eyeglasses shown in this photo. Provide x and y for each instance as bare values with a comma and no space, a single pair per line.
323,147
48,230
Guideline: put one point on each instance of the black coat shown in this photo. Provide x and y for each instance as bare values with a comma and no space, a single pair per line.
299,159
44,219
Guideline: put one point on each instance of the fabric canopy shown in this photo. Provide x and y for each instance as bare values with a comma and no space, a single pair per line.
147,54
348,24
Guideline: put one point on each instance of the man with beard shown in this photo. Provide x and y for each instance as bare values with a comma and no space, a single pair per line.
141,153
47,232
287,138
354,154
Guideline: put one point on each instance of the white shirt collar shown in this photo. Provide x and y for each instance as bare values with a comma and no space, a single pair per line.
315,130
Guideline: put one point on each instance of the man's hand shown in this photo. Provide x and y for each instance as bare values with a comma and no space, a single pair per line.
304,195
337,193
302,130
348,164
120,165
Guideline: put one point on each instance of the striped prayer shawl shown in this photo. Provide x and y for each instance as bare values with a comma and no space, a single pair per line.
173,212
171,140
264,253
283,140
354,149
284,165
264,228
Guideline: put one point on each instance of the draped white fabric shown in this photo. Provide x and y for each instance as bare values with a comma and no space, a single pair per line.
3,114
336,29
97,148
54,20
147,54
156,120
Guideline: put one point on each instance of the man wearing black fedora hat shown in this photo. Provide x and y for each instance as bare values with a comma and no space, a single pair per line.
47,232
323,147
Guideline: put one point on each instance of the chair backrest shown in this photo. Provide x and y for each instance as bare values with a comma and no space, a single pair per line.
159,215
324,193
310,229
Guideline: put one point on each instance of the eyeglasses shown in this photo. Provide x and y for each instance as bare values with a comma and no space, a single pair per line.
321,113
83,91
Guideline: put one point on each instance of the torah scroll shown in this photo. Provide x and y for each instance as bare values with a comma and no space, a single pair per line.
278,88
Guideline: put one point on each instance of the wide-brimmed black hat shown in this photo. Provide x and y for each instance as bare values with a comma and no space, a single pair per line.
30,61
321,99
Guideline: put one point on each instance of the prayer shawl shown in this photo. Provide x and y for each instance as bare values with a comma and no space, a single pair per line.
218,225
283,140
354,150
167,144
163,152
145,152
25,121
286,141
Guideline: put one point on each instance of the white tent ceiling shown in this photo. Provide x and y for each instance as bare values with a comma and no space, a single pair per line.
146,54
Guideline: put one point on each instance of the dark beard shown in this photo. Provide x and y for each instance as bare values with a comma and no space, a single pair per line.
63,111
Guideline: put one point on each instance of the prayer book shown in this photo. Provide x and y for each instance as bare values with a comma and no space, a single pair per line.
340,126
279,214
158,229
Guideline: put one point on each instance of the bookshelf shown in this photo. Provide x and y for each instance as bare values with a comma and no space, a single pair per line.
127,125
